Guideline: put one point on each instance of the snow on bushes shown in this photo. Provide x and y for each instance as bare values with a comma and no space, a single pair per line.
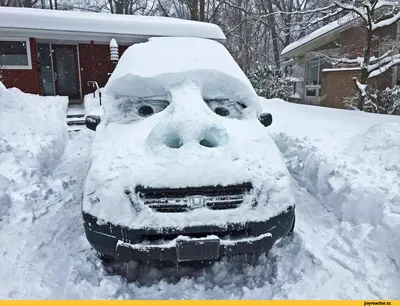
351,165
33,135
385,101
270,82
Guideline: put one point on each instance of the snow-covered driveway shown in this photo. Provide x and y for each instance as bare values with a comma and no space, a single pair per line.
48,257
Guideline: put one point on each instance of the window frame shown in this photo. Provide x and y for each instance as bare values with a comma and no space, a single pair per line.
28,54
313,87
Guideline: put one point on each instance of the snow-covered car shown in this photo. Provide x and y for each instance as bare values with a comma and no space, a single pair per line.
182,166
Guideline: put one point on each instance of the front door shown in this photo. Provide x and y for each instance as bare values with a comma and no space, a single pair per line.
66,73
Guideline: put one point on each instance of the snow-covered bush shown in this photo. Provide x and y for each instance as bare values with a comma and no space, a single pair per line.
270,82
385,101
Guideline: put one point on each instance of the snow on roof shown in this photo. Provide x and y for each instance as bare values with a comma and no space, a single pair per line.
328,29
341,69
29,19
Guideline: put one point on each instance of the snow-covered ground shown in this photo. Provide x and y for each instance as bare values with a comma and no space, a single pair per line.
346,183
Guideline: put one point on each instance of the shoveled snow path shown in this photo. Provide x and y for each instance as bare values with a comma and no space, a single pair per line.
48,257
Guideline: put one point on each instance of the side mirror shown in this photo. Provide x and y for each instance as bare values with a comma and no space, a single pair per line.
92,122
266,119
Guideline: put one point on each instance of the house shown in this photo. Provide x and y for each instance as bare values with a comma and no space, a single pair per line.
50,52
316,80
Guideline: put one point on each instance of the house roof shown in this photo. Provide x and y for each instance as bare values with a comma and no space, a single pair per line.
99,27
319,37
326,34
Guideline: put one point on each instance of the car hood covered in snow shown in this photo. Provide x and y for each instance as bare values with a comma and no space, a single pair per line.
184,143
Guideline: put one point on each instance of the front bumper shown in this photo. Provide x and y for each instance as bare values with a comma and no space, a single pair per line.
197,243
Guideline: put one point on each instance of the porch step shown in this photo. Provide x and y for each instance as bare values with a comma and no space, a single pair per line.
75,116
76,122
75,128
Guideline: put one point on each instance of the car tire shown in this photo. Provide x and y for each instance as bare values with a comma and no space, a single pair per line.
107,259
291,231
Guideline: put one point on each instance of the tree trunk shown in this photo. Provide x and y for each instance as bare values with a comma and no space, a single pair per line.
202,10
119,7
274,35
364,69
193,6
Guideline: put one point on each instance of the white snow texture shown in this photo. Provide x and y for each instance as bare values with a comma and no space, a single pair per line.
345,169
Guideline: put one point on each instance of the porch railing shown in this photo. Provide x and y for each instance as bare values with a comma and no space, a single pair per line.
94,84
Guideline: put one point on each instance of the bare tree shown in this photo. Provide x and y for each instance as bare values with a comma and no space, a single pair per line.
377,18
19,3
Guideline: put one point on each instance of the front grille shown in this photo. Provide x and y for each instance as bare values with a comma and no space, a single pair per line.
223,234
185,199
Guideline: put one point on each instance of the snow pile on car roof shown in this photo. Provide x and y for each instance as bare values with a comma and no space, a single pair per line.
170,60
350,162
33,135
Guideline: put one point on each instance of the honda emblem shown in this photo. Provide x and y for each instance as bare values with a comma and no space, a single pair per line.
196,202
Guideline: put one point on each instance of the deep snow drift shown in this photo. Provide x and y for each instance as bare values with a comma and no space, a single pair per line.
33,136
350,160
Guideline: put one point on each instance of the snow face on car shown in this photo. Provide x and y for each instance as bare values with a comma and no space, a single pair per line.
189,128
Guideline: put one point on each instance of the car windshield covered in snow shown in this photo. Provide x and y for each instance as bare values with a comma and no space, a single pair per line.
142,88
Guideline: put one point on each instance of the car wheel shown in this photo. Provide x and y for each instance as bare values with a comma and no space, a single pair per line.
107,259
291,231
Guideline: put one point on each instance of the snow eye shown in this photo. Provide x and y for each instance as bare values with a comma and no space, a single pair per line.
146,108
145,111
222,111
226,108
134,109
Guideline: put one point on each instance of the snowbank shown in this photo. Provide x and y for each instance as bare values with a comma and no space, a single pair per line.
33,135
349,160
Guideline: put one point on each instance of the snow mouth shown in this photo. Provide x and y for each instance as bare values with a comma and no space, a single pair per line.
174,200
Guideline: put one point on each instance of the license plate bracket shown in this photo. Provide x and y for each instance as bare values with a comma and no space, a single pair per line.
197,249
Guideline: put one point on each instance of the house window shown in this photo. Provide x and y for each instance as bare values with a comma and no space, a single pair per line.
15,54
315,65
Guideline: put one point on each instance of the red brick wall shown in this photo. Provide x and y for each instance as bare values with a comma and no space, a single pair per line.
26,80
95,64
337,85
352,40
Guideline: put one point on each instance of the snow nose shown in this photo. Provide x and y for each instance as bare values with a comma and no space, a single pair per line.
173,140
175,137
214,137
